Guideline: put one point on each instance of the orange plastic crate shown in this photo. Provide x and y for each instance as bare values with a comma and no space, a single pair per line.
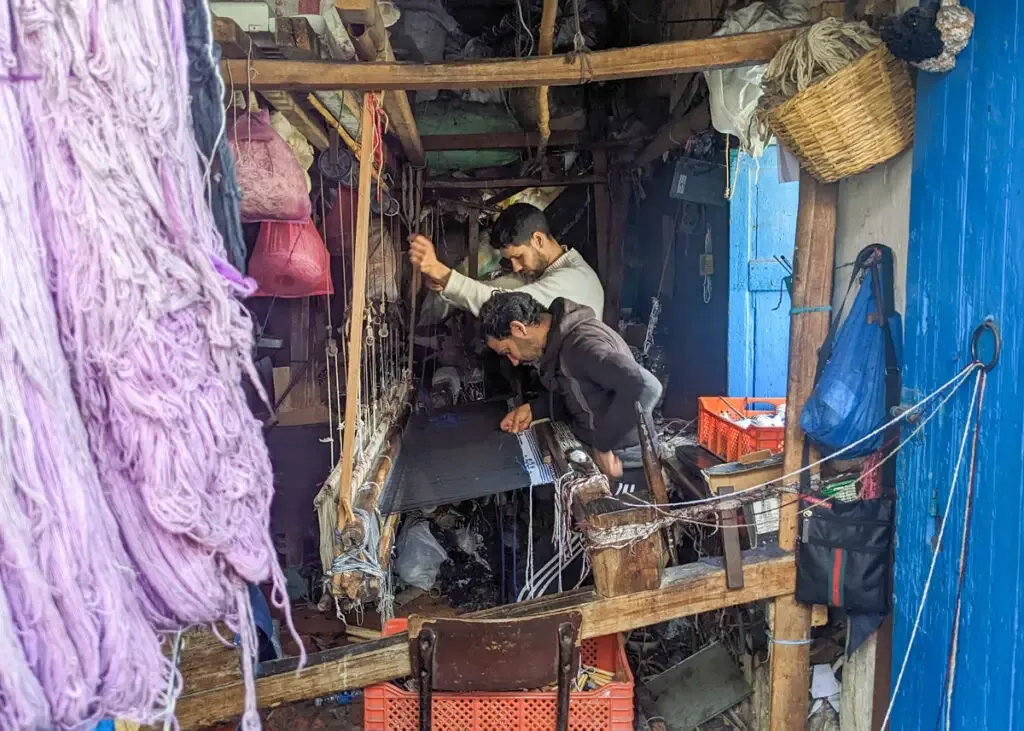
386,707
726,440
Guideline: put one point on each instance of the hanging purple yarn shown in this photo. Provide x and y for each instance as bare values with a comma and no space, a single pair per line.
156,347
74,640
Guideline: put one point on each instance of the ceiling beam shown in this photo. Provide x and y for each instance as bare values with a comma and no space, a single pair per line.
497,141
675,133
236,43
366,27
471,184
660,59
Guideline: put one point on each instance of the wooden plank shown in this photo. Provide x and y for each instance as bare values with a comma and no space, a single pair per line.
545,47
355,336
674,134
236,43
473,218
685,591
499,141
602,214
366,27
299,118
731,544
812,287
866,682
475,184
620,191
661,59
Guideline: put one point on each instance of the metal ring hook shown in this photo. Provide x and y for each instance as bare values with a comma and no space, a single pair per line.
987,325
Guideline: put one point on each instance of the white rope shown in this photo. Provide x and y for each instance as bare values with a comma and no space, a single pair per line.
613,538
954,381
935,557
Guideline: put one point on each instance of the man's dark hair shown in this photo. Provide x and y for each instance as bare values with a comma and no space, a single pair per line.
503,308
517,224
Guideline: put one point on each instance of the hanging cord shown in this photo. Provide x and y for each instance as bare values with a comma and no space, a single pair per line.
975,410
619,537
579,47
950,680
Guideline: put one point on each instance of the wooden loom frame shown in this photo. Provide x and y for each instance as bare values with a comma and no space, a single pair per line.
683,590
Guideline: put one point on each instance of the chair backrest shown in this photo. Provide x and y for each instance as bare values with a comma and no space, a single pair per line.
495,655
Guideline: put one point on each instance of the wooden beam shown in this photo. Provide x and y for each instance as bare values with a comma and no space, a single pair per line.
366,27
685,591
498,141
812,288
355,335
299,118
660,59
474,184
236,43
674,134
602,215
618,218
545,47
473,219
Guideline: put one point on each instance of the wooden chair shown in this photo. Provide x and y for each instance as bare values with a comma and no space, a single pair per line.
496,655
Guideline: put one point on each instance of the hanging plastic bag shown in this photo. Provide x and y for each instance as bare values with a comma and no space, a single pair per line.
848,402
734,92
272,181
419,556
290,260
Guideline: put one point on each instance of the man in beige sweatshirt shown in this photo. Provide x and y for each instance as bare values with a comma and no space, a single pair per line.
545,269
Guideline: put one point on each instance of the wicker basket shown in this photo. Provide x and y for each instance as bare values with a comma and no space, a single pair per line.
850,121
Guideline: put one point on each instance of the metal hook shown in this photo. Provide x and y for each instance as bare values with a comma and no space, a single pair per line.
987,325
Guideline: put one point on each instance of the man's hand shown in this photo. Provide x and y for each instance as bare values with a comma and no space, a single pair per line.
518,420
608,463
424,258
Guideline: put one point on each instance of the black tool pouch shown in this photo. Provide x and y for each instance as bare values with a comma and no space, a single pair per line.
843,555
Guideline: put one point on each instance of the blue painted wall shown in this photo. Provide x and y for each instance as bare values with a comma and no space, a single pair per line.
965,261
762,224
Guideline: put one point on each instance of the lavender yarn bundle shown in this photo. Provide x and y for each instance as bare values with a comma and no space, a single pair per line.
157,346
74,640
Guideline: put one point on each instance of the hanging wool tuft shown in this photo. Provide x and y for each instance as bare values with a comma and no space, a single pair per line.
208,126
74,637
147,506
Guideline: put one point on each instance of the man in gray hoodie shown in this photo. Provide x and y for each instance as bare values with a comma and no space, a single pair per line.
585,366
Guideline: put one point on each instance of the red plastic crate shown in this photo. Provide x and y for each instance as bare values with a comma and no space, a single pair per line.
386,707
725,439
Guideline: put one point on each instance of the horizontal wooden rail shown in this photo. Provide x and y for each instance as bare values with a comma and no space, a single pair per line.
659,59
686,590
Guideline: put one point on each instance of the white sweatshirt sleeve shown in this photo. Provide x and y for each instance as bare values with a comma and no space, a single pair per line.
572,279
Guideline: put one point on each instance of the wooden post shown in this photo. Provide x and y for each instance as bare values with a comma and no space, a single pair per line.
621,187
355,331
812,288
602,214
416,199
473,218
731,543
545,46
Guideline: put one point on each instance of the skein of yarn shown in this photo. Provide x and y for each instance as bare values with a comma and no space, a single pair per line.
170,516
821,50
74,636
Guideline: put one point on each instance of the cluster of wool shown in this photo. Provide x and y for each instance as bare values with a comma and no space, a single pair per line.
135,485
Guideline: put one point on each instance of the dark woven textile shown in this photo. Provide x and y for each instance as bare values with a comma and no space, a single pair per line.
454,455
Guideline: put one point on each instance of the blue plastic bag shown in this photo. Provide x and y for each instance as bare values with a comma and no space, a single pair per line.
848,402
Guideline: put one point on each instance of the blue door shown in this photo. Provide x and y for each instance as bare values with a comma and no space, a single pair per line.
762,226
